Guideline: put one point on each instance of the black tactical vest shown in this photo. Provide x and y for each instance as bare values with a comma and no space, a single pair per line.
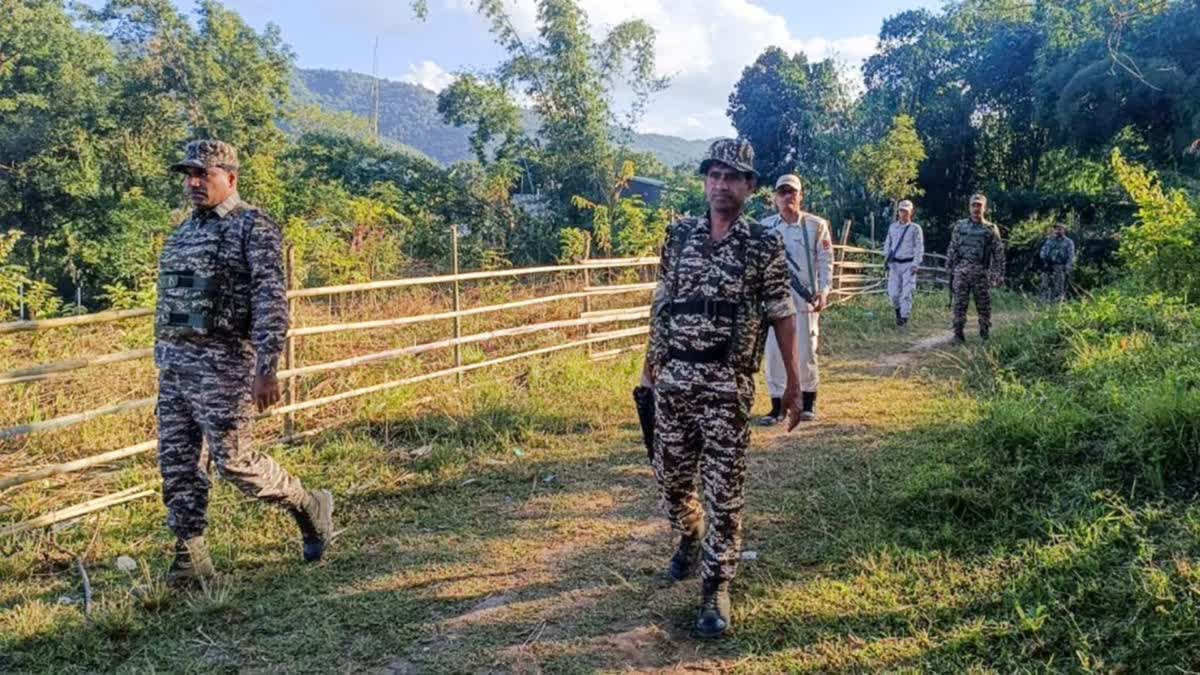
194,281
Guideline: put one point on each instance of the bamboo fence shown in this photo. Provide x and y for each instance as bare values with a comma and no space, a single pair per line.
852,278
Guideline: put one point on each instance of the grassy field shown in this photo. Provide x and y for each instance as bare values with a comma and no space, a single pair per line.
515,529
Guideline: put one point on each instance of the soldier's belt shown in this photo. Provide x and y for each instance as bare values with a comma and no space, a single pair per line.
189,319
711,355
187,280
902,261
706,307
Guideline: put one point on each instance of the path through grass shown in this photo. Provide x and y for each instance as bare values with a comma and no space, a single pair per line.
517,531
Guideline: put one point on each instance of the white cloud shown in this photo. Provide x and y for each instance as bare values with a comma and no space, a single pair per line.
703,45
429,75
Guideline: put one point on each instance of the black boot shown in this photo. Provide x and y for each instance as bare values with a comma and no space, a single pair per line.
715,614
899,319
959,337
809,403
687,556
775,416
315,519
985,332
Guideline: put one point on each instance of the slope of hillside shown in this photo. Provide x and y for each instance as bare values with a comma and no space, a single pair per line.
408,114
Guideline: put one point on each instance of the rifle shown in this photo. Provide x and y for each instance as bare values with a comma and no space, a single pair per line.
643,400
794,280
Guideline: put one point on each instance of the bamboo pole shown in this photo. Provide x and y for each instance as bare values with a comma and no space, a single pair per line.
846,248
458,360
289,352
465,276
601,262
72,512
334,398
76,465
70,420
49,370
442,344
587,283
443,316
612,353
628,288
80,320
611,312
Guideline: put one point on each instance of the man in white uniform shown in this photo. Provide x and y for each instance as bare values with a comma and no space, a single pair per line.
905,249
809,247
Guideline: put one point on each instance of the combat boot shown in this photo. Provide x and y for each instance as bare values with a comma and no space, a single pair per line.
899,319
985,333
715,615
775,416
192,562
959,336
315,519
686,558
808,411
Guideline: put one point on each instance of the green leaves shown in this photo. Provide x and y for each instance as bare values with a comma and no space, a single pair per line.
889,167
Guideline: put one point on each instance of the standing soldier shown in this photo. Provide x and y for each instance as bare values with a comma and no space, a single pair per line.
976,263
220,325
905,248
808,247
722,279
1058,260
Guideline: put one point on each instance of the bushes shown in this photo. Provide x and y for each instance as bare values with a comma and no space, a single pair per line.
1111,383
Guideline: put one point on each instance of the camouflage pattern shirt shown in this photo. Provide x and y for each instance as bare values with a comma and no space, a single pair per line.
251,250
746,267
976,246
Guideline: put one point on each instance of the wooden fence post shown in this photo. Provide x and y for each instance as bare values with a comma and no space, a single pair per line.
840,256
457,303
587,283
289,352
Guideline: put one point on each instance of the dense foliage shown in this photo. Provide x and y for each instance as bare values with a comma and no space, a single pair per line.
1028,102
1023,101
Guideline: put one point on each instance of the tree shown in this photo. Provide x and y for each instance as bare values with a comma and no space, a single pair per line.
890,166
784,106
1162,247
570,79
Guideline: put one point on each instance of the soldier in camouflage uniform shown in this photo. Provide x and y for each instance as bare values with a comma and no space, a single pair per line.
1058,260
976,263
722,281
220,325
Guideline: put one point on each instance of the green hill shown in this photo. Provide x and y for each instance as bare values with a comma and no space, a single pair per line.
408,115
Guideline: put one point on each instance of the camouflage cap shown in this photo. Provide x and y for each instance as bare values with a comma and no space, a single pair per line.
204,153
734,152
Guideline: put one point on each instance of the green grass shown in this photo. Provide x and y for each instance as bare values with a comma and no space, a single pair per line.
953,512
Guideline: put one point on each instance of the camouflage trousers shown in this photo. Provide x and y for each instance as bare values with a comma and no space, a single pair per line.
196,408
968,280
1054,283
700,430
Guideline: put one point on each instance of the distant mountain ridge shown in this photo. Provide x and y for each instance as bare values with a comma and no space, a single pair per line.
408,115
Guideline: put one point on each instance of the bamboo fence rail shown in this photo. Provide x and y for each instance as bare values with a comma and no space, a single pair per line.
853,278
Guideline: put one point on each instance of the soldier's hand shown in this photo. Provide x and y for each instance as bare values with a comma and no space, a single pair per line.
265,391
792,404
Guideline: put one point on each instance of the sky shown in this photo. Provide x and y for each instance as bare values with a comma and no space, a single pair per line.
703,45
